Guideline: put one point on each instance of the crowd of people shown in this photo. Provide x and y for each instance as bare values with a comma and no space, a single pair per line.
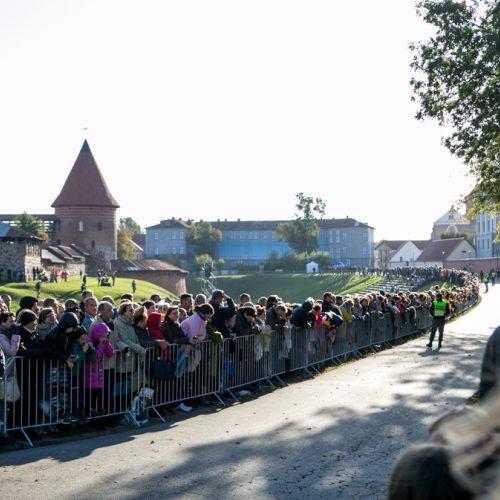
96,345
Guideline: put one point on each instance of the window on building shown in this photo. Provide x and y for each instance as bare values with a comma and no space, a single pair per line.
181,250
174,250
93,244
364,250
156,251
364,236
264,235
242,235
344,251
80,226
344,236
174,235
181,235
155,236
337,252
99,226
337,235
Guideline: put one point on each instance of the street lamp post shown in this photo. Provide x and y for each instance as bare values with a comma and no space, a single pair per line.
470,261
442,265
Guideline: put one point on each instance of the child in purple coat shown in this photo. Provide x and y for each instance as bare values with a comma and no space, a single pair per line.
94,370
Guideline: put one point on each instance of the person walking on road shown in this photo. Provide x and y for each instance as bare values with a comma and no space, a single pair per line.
486,279
439,310
134,286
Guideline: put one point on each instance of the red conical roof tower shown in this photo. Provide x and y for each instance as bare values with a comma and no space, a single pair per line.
85,185
85,212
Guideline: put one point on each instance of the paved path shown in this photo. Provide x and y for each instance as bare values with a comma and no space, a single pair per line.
335,436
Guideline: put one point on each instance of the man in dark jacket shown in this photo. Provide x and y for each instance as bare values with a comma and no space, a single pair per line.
490,368
245,321
222,313
302,317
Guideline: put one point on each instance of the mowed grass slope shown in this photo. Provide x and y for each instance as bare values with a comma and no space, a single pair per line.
291,287
71,289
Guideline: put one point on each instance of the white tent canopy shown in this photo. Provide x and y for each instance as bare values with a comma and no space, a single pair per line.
312,267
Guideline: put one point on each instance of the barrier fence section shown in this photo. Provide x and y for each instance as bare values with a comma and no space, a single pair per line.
39,392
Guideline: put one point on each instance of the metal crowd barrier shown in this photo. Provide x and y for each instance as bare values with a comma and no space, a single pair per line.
49,393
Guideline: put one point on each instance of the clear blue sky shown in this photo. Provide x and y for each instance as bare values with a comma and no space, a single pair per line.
223,109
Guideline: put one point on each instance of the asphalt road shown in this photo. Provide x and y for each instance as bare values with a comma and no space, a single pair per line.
334,436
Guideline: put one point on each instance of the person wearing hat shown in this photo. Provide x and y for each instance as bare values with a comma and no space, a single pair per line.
439,310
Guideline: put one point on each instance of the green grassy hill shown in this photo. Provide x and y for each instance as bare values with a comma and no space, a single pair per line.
71,289
291,287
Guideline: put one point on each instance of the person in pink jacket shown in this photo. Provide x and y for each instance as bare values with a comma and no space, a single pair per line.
94,370
195,327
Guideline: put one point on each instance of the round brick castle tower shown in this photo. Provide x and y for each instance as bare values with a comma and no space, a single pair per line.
86,212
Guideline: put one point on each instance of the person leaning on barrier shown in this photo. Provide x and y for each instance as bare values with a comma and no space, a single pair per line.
245,321
30,368
171,327
195,327
222,313
59,342
126,338
302,316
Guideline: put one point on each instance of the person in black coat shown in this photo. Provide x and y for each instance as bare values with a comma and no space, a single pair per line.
222,313
302,316
59,341
29,369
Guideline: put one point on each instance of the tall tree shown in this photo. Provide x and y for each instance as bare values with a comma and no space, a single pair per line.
457,83
203,237
131,224
302,233
125,247
31,224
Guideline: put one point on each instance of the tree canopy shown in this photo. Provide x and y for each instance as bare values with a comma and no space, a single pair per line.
131,224
203,238
457,82
31,224
302,233
125,247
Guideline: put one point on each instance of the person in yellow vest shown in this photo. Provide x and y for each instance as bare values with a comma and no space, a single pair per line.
486,279
439,310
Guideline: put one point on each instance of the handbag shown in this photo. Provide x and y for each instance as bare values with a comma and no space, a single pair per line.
9,389
163,369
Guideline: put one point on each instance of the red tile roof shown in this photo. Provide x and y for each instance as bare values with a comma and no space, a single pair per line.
85,185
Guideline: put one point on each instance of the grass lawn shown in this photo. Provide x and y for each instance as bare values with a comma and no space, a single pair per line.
71,289
291,287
